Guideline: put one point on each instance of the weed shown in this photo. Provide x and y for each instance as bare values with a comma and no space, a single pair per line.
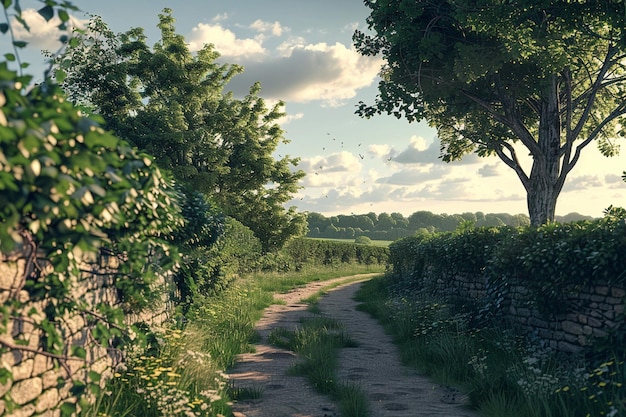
182,374
504,375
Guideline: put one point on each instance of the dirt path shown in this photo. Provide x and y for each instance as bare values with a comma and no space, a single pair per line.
394,390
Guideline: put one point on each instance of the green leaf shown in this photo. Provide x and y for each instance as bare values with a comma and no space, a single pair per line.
4,27
5,375
78,389
79,352
63,15
68,409
6,3
60,76
47,12
10,57
22,22
95,389
93,139
20,44
94,376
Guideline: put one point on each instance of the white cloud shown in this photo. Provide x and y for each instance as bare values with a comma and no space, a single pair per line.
43,34
220,17
419,151
351,27
614,181
314,72
583,182
274,28
415,176
490,170
225,42
286,47
385,152
337,170
289,118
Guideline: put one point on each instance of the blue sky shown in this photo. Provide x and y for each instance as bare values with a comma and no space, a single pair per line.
302,53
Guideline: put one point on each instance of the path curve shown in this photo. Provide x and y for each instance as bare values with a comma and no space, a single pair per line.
374,365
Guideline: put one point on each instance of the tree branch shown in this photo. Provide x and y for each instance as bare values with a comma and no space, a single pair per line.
608,61
61,358
618,111
513,162
514,124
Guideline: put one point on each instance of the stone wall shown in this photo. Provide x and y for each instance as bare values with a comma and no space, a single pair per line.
586,315
579,318
34,387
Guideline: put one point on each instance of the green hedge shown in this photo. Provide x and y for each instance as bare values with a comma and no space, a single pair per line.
552,260
302,251
446,254
556,260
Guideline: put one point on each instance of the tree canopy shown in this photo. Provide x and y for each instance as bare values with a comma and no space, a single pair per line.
495,77
172,104
395,226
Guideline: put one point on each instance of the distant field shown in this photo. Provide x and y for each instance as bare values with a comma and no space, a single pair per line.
374,242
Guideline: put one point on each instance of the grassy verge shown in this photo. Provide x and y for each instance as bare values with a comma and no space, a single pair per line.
503,374
181,373
383,243
318,341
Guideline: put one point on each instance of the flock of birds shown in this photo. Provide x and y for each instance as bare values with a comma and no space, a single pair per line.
341,144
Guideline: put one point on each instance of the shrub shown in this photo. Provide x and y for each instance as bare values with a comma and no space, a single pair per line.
68,189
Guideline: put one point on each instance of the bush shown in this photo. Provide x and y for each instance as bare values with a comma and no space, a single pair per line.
303,251
68,189
363,240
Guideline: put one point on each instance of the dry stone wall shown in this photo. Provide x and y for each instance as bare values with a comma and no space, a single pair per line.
39,382
583,316
587,315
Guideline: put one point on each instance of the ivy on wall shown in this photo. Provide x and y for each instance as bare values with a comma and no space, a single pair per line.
67,189
552,260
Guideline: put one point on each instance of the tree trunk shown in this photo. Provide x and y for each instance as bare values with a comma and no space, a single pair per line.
543,187
541,199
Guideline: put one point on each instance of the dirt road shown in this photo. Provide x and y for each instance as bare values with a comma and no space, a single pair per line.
374,365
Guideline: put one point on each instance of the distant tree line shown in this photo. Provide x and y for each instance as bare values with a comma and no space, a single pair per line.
385,226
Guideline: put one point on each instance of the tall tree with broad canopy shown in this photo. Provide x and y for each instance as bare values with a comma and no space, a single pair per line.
492,75
171,103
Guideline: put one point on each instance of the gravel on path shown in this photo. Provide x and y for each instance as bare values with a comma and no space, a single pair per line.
374,365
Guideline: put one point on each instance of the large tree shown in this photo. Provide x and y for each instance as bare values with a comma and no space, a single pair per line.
493,75
172,104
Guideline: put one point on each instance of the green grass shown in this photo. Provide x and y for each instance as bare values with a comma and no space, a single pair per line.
313,299
317,342
283,282
383,243
503,374
183,370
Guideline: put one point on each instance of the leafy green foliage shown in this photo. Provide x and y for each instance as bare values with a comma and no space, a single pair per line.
552,261
301,252
235,252
385,226
503,374
363,240
556,260
171,103
68,188
501,78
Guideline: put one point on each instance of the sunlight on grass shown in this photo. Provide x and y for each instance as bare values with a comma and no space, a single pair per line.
502,373
317,342
181,373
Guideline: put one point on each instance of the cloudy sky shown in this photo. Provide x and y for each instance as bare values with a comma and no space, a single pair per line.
301,52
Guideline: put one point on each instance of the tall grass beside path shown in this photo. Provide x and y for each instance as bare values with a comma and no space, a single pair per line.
503,374
182,373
